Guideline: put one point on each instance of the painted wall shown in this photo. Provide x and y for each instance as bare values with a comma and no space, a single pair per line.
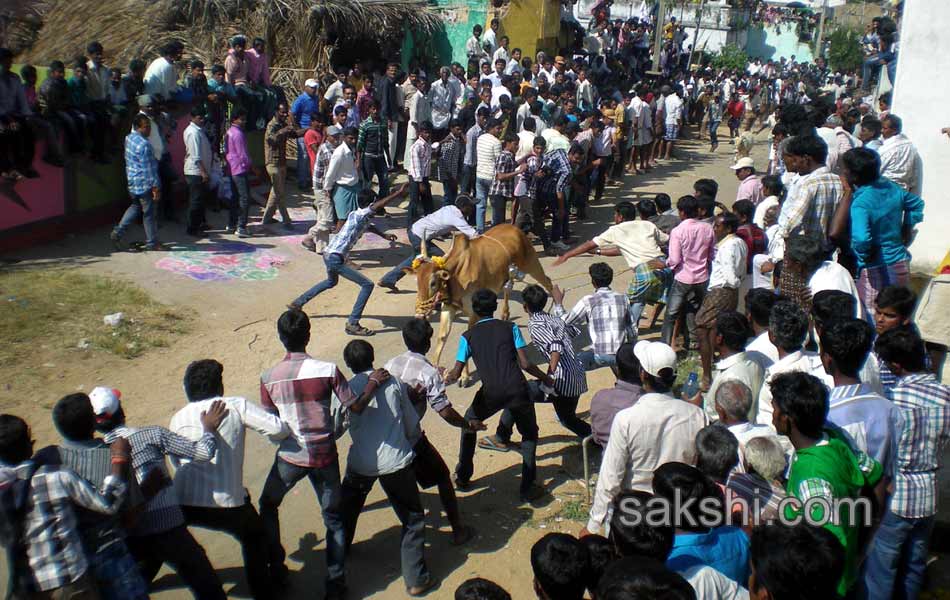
920,100
532,25
774,43
458,18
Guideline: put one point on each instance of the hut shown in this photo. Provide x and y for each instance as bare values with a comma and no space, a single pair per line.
303,36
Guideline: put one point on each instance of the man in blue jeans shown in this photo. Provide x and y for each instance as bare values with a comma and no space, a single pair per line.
306,104
897,560
308,395
334,256
141,170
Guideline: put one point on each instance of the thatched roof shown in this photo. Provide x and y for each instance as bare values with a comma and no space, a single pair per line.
300,33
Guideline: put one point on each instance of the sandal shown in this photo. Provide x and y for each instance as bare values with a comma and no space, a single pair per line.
493,443
357,329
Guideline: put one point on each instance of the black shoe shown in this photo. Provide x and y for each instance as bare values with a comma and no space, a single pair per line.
531,494
116,241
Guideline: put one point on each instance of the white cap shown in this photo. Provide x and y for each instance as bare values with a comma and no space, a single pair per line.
333,130
654,356
105,401
311,83
745,162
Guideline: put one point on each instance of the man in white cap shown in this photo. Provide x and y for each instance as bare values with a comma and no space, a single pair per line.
656,430
160,535
750,184
306,104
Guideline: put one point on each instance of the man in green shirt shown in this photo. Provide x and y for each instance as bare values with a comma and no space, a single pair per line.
827,473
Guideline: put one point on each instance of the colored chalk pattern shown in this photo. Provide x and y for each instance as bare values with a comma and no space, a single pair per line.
224,261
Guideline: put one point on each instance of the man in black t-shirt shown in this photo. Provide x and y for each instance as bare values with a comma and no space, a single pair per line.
497,349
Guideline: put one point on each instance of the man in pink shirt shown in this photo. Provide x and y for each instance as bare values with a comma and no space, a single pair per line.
750,184
691,252
240,166
258,75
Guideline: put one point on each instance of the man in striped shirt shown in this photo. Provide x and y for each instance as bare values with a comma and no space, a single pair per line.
212,494
901,542
319,235
160,535
420,159
503,186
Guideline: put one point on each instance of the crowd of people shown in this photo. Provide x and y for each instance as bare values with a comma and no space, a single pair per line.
801,464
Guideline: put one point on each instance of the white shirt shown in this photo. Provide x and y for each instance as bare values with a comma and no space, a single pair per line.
673,108
656,430
219,483
761,208
638,241
710,584
448,218
762,350
161,78
501,53
832,276
334,92
197,151
342,168
900,162
487,150
525,144
497,93
442,97
489,38
729,264
801,361
738,367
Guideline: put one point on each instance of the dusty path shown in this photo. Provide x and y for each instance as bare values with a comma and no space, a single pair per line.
235,325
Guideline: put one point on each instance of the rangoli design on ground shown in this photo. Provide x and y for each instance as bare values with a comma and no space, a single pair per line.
224,261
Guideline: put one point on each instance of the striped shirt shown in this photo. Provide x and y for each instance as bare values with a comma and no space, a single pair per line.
607,317
487,150
809,209
505,163
557,172
50,530
420,157
449,154
925,404
373,137
550,334
150,446
471,145
220,482
413,370
300,390
324,153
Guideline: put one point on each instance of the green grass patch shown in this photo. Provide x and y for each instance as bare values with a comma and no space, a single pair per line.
45,312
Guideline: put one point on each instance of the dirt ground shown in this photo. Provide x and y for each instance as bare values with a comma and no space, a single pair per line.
237,297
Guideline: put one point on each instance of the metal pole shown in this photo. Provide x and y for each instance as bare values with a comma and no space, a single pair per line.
821,27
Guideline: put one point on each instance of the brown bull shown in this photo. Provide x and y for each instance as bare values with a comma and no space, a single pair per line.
471,265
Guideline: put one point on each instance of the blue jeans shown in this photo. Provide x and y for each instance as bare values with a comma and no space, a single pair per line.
397,273
591,360
143,205
304,175
898,555
337,268
282,478
482,186
375,165
116,573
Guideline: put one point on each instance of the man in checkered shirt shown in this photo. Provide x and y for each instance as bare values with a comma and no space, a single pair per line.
145,188
503,186
901,542
49,560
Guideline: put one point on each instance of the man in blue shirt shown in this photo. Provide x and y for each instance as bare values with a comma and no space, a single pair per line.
305,105
141,170
498,351
883,216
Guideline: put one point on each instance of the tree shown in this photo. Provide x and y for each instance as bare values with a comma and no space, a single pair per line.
844,49
730,57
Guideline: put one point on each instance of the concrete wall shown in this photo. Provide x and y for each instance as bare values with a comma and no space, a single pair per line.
920,100
532,25
776,42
